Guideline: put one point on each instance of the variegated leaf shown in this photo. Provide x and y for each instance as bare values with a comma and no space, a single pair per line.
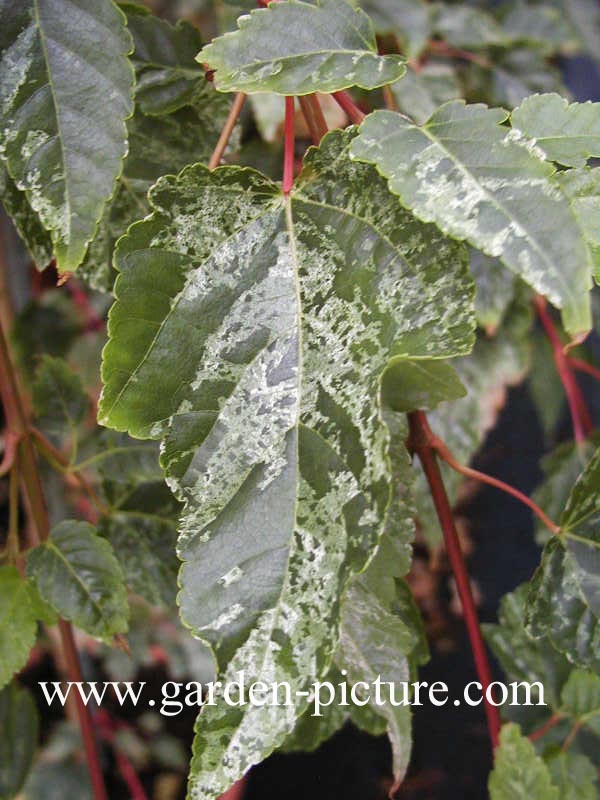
276,317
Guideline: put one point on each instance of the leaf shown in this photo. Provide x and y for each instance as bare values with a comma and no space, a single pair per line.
18,622
420,93
164,57
65,780
424,384
495,290
541,26
64,137
59,399
559,610
295,47
157,146
521,657
375,643
561,469
409,20
515,74
519,774
19,725
77,573
568,133
581,695
26,221
582,186
464,26
584,16
225,280
478,181
574,775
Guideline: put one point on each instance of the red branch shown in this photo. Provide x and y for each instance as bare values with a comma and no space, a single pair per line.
583,366
108,729
547,726
582,424
288,154
344,100
444,453
230,123
420,443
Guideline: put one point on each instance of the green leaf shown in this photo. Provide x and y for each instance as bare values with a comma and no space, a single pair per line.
583,187
59,399
574,775
479,181
410,385
277,317
420,93
495,290
541,26
164,57
464,26
26,221
584,17
521,657
561,469
18,622
568,133
157,146
409,20
77,573
519,774
65,780
559,610
374,642
581,695
65,100
295,47
18,743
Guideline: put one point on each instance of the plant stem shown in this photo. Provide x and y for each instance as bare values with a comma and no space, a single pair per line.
420,443
308,114
288,153
547,726
17,422
583,366
344,100
444,453
582,424
230,123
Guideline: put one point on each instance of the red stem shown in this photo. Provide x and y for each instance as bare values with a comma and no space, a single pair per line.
444,453
582,424
583,366
288,154
344,100
130,777
420,442
547,726
235,792
228,127
83,713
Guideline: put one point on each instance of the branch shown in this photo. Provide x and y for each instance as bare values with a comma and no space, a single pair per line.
582,424
441,448
547,726
583,366
230,123
344,100
17,423
420,443
288,153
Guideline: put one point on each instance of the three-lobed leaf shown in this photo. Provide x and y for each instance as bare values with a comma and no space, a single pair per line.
64,148
296,47
276,316
478,181
519,773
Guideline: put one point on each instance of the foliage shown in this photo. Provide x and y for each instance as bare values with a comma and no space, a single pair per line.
246,500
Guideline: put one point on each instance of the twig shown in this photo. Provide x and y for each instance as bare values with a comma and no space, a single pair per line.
420,443
308,114
288,153
583,366
547,726
17,422
582,424
444,49
444,453
230,123
344,100
11,440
